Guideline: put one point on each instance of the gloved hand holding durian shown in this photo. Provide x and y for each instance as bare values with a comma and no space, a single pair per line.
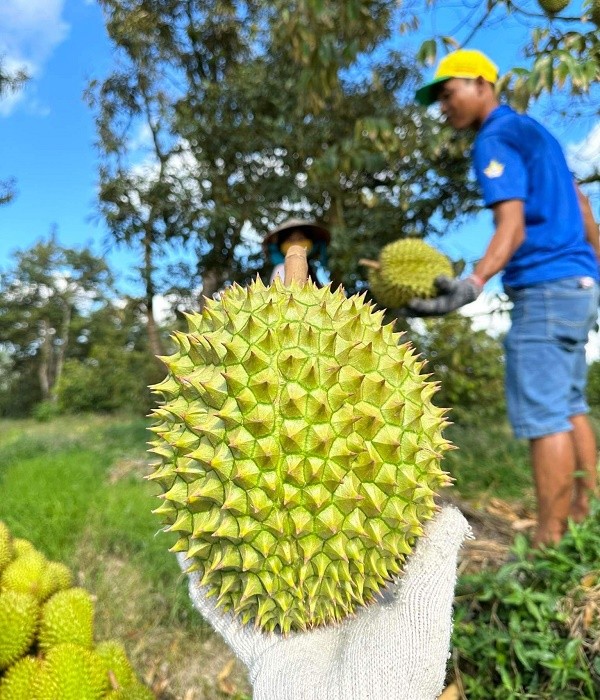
452,294
299,459
418,280
396,647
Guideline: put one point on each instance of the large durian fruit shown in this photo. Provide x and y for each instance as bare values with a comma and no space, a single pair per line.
551,7
47,648
299,452
406,270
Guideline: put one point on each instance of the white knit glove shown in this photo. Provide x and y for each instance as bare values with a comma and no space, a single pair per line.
395,648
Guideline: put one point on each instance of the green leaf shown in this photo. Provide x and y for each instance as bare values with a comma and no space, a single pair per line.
427,52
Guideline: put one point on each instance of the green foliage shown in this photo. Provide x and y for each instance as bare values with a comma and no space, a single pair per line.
593,385
41,298
111,379
469,366
273,111
489,460
514,636
45,411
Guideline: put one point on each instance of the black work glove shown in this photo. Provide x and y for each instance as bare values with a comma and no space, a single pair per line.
452,295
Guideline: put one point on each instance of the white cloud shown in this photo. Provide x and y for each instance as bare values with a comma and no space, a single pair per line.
30,30
584,156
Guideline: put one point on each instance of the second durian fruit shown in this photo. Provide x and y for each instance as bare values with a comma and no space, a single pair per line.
299,452
407,270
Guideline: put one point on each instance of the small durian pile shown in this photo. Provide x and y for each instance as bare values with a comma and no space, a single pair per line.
299,452
406,270
47,648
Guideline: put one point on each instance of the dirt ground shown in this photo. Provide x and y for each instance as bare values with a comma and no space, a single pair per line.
495,525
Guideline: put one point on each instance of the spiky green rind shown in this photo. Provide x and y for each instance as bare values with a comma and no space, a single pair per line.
25,574
31,572
68,616
18,681
22,546
551,7
19,614
70,672
6,546
56,577
116,663
136,691
299,452
408,268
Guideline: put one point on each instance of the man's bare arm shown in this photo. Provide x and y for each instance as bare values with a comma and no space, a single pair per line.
509,220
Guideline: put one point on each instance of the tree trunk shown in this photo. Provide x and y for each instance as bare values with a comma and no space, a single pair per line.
154,340
45,356
62,349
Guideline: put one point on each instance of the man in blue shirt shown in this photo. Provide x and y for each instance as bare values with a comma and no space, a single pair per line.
546,241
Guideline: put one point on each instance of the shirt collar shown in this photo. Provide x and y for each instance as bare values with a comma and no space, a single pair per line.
500,111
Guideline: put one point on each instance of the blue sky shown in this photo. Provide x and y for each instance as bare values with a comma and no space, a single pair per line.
47,131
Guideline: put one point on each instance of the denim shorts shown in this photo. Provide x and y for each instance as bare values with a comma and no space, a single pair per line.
546,367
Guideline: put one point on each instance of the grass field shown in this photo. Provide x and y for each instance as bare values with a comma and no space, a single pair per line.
74,487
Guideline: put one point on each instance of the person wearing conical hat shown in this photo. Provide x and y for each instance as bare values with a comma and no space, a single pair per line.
314,237
546,243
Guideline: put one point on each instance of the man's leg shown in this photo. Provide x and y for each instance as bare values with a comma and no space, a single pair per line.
553,462
586,457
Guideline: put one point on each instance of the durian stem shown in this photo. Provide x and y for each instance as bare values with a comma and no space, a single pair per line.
369,263
296,266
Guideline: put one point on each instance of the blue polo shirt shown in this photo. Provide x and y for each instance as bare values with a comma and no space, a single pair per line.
515,157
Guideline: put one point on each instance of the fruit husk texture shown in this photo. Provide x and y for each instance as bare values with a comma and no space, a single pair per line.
551,7
19,616
71,672
408,268
18,682
6,546
299,452
68,617
116,663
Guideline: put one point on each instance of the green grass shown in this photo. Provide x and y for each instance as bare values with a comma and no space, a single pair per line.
489,462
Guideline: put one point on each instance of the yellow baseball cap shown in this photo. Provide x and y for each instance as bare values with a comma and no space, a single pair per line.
464,63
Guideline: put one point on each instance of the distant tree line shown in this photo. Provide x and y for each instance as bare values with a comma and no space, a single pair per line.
72,343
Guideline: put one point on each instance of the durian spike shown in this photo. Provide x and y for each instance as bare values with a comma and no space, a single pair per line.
296,266
373,264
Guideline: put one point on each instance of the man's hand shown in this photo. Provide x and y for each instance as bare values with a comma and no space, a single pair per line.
452,295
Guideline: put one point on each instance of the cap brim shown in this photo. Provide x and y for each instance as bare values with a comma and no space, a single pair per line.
312,230
428,94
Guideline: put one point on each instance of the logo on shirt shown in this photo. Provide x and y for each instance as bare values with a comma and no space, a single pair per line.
494,169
